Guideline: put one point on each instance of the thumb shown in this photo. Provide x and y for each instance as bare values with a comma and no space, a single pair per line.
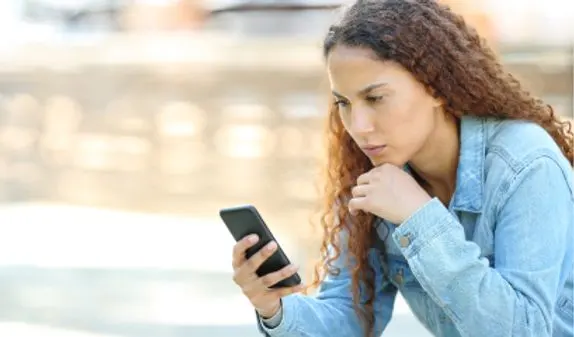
357,204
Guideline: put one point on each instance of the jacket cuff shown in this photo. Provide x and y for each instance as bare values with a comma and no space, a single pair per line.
287,321
422,227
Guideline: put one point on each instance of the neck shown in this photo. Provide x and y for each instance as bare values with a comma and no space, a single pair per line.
437,162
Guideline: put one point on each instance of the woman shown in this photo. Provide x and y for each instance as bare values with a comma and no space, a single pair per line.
466,178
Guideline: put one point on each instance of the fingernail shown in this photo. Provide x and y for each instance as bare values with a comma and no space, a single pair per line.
253,238
292,267
271,246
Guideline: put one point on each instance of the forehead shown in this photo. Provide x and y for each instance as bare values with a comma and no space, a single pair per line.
350,67
341,55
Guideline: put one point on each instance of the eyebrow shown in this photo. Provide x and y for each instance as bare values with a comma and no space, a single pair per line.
365,90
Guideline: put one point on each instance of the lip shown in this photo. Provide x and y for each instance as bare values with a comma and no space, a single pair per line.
373,150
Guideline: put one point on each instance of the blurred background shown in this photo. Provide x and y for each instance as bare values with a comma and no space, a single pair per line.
126,125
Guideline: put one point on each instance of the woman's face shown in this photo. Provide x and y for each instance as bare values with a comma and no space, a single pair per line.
387,112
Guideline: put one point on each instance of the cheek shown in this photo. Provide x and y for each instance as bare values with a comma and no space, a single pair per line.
397,117
407,122
345,118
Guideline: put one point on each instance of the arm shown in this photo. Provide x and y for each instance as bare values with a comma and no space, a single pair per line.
532,239
330,313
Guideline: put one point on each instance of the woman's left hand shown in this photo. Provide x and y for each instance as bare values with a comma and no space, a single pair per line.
389,193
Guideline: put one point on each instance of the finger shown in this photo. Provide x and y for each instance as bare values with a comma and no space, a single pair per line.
254,262
247,272
272,278
360,190
240,247
357,204
363,179
263,284
282,292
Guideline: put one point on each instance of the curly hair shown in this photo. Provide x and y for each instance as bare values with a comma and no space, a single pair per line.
457,67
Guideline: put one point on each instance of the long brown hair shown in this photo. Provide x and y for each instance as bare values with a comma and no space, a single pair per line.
456,66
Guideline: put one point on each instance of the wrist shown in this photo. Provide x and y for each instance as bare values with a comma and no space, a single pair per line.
269,312
417,203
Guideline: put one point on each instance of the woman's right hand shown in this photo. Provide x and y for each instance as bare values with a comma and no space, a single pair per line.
264,299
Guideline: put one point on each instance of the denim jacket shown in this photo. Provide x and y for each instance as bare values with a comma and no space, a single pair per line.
498,262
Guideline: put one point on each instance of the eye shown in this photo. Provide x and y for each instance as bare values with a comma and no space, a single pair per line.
374,99
341,103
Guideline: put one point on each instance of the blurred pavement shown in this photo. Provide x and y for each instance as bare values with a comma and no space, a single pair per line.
83,272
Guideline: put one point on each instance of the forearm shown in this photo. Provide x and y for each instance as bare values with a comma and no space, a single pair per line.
477,298
331,312
305,316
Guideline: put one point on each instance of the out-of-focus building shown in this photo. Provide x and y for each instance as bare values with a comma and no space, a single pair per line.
244,85
179,15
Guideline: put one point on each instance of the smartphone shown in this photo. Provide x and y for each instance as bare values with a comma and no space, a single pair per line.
245,220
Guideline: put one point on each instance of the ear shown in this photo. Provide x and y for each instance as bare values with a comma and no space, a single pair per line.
437,103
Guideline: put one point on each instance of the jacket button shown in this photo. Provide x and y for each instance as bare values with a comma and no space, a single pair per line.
404,241
399,278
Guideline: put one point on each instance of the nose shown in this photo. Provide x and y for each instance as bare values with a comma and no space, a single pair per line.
362,121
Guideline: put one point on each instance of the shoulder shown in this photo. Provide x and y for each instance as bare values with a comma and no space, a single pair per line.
520,151
519,144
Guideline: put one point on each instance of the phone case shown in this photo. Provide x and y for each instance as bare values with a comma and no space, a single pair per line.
245,220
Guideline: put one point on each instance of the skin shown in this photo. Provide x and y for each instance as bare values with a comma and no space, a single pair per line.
266,301
397,112
380,103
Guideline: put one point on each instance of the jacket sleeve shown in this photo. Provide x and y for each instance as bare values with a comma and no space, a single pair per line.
330,313
532,243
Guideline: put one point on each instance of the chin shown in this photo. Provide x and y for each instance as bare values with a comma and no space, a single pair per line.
393,161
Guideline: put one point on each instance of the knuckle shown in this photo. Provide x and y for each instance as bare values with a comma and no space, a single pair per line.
269,248
237,249
252,263
262,254
287,271
268,280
